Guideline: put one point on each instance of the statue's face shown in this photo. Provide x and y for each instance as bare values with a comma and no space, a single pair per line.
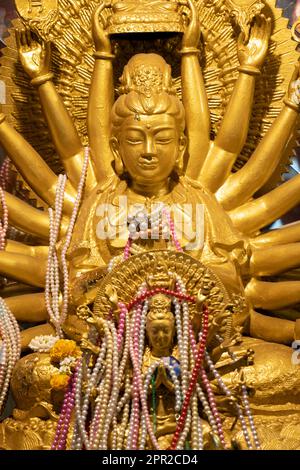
149,147
160,335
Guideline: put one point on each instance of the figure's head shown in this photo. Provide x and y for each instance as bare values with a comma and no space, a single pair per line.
148,140
160,325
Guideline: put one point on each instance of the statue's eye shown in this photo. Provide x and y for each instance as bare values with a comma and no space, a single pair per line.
163,140
134,141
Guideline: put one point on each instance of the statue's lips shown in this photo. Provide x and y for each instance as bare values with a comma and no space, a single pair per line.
148,164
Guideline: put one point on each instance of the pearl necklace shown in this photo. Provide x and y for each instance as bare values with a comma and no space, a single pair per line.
10,348
56,313
246,404
4,222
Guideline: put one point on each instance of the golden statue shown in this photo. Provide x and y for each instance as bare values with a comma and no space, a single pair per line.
163,206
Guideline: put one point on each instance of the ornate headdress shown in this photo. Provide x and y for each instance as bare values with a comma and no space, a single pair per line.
145,16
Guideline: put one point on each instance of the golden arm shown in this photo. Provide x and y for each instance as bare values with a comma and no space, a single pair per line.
194,96
233,131
240,186
21,215
231,136
32,167
101,100
197,113
35,59
272,329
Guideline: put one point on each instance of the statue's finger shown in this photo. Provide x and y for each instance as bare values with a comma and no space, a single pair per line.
241,40
18,38
23,38
29,38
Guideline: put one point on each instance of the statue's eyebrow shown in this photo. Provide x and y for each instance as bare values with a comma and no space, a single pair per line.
154,128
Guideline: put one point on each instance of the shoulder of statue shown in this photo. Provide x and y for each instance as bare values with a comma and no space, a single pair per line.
191,183
108,186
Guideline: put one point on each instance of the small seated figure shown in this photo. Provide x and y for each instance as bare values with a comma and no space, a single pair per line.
160,332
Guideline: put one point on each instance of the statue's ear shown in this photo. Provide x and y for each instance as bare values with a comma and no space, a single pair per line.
115,148
182,149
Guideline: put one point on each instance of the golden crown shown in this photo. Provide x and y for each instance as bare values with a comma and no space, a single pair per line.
145,16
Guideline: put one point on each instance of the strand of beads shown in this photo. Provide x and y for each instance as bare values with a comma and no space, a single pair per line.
196,430
177,311
121,326
4,221
142,330
10,348
125,356
229,394
82,412
184,357
112,404
135,420
98,420
52,284
143,398
4,173
246,403
172,229
210,395
63,425
139,314
58,315
122,427
193,381
80,188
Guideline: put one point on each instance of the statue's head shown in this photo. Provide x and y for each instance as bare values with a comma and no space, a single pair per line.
160,325
148,122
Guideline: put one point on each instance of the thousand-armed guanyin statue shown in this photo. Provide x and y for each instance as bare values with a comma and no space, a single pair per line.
146,139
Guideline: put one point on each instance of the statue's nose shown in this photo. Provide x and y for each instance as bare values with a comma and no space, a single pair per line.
150,149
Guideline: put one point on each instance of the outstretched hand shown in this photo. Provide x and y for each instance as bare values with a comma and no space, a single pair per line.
252,52
34,56
99,24
192,33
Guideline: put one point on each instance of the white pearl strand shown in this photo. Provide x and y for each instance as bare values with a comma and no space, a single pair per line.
57,315
80,189
4,221
81,412
142,330
229,394
143,397
122,427
125,355
52,284
112,403
197,431
105,388
127,394
184,359
135,399
10,348
246,404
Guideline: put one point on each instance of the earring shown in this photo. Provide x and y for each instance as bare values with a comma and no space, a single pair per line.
119,167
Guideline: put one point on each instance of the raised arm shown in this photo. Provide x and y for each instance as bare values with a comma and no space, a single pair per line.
194,96
240,186
101,98
35,59
234,128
